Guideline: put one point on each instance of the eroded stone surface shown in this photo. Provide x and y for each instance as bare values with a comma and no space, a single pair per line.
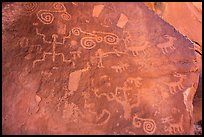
133,78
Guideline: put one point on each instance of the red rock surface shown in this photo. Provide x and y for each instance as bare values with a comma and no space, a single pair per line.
95,68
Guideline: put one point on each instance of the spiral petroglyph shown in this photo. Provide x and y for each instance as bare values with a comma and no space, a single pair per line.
59,7
88,43
149,126
45,17
30,7
111,39
76,31
66,16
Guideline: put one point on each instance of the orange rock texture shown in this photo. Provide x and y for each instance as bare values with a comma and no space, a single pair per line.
95,68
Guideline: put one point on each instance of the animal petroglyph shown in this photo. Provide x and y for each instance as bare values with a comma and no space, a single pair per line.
149,126
137,49
97,10
122,20
120,67
169,44
135,81
175,128
100,54
178,84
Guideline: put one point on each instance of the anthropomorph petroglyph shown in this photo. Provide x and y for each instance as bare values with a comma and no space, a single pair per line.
149,126
53,53
167,45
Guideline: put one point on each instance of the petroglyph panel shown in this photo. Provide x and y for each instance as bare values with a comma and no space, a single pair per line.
94,68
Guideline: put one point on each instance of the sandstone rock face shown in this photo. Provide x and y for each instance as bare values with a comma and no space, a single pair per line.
95,68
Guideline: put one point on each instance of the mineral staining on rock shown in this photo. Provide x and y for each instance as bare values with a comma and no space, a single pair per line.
127,73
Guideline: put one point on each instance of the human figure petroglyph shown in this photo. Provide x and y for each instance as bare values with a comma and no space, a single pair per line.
137,49
175,128
120,67
169,44
149,126
53,53
178,84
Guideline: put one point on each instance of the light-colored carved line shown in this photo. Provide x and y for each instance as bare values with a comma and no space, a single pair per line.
104,111
97,10
63,58
43,59
43,36
48,19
